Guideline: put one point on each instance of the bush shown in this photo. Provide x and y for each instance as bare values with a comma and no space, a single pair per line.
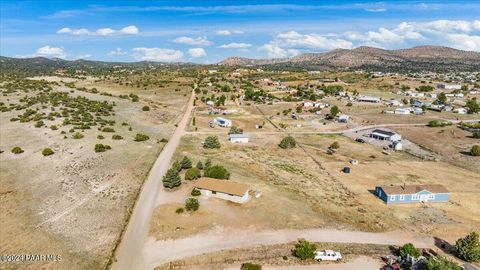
179,210
441,263
475,151
476,135
101,147
145,108
208,163
192,173
288,142
305,250
47,152
77,135
199,165
171,179
468,248
195,192
141,137
39,124
117,137
17,150
53,127
250,266
235,130
192,204
211,142
186,163
100,137
335,145
108,129
438,123
217,171
409,249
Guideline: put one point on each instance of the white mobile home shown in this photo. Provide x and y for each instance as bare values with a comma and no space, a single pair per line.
223,189
222,122
368,99
238,138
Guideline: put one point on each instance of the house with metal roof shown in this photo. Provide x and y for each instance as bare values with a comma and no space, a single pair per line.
223,189
384,135
412,194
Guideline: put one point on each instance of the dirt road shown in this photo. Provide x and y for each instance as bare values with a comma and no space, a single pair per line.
364,263
156,253
128,254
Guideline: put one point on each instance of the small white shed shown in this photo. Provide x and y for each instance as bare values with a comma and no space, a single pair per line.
238,138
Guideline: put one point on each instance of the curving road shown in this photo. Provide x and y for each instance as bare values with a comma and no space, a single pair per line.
128,254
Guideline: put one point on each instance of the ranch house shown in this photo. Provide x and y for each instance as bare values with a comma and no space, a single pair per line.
412,194
223,189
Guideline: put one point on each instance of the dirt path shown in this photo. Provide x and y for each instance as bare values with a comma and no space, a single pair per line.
127,254
156,252
360,128
362,262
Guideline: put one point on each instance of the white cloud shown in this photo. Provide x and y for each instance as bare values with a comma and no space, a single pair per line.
107,31
293,39
376,9
228,32
274,51
83,56
117,51
129,30
235,45
197,52
47,51
200,41
157,54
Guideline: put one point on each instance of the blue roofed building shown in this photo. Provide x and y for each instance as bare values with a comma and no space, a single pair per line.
412,194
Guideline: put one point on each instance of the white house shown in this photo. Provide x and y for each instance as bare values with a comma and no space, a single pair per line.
238,138
222,122
449,86
461,110
343,118
402,110
223,189
417,94
368,99
384,135
394,102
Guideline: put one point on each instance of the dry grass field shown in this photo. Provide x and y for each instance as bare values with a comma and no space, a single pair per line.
305,183
75,202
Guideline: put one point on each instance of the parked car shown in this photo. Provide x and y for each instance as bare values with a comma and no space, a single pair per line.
360,140
328,255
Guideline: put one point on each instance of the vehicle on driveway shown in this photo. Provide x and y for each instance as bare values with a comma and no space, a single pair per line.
328,255
360,140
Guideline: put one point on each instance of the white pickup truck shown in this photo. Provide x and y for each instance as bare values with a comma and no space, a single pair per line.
328,255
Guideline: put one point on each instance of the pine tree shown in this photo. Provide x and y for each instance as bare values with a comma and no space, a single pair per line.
186,163
171,179
208,163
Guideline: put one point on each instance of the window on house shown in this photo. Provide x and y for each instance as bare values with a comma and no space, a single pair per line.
392,198
402,197
415,197
214,192
431,196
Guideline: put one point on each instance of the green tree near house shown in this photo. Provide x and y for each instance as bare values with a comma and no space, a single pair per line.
199,165
441,263
211,142
334,111
288,142
305,250
468,248
442,98
217,171
472,106
409,249
192,204
192,173
171,179
208,163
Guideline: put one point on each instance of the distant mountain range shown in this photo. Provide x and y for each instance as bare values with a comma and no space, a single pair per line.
417,58
422,58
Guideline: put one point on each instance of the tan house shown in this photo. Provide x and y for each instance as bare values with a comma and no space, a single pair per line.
223,189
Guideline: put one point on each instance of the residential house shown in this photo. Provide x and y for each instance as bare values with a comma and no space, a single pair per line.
238,138
368,99
383,135
403,110
223,189
412,193
222,122
449,86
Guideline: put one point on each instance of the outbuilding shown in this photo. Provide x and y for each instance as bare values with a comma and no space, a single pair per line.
384,135
223,189
222,122
238,138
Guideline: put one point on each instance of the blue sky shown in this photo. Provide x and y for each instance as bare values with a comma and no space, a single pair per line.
208,31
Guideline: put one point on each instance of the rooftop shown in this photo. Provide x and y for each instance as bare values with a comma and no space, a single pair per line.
224,186
412,189
383,132
238,136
